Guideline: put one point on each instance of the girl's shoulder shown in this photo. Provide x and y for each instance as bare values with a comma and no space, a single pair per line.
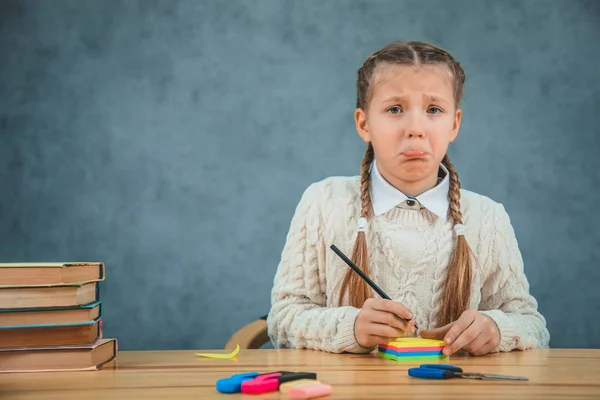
478,207
335,189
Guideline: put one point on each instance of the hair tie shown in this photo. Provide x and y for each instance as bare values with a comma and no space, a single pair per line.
362,224
459,229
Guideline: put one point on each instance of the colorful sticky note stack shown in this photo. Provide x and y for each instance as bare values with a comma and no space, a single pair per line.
413,349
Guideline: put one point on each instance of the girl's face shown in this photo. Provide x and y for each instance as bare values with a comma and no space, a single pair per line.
410,120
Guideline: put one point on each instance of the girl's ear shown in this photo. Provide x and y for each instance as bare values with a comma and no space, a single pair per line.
360,118
456,125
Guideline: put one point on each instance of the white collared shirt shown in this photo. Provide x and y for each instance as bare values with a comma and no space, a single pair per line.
384,196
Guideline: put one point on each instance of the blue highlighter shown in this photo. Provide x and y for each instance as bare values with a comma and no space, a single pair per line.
233,384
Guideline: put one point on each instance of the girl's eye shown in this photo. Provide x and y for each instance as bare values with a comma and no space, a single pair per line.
395,110
434,110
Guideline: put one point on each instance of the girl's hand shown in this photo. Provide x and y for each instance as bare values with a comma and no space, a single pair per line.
377,322
473,331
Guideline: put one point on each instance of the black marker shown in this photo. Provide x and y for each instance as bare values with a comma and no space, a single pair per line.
365,278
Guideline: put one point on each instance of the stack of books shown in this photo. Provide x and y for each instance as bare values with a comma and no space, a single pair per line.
51,317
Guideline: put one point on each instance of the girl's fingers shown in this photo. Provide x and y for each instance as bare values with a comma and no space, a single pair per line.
383,330
477,343
377,340
391,307
466,337
486,348
459,326
382,317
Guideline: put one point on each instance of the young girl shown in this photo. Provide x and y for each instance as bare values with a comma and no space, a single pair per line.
447,257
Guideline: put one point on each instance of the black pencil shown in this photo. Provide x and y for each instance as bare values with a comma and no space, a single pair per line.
365,278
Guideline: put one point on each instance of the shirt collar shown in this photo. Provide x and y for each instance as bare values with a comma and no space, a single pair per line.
385,196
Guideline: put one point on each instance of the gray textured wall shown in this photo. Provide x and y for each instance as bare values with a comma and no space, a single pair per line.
173,139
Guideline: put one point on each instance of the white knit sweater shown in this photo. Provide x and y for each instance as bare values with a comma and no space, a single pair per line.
409,251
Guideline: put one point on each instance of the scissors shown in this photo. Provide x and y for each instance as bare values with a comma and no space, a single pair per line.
443,371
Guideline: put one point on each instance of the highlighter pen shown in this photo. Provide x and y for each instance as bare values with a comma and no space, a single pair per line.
365,278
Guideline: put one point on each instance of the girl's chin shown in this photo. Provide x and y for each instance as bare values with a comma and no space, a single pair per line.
416,170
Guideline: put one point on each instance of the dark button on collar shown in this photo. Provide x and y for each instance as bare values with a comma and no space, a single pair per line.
410,202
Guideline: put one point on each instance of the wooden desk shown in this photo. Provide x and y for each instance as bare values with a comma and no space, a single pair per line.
553,373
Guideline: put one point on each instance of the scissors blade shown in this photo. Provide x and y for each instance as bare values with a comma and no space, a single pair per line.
475,375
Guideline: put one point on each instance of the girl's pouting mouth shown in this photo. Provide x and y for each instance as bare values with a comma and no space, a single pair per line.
415,154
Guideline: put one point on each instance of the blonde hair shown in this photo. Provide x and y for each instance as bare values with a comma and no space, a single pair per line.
457,286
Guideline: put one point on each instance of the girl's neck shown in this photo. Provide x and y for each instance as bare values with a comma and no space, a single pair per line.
411,188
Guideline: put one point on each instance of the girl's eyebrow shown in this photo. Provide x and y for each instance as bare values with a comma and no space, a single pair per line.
435,99
395,99
431,97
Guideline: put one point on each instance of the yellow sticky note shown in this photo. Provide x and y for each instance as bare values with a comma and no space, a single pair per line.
416,342
220,355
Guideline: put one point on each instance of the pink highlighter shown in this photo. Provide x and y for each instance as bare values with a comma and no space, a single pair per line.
262,384
309,391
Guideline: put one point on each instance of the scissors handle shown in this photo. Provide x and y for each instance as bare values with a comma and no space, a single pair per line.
431,373
442,366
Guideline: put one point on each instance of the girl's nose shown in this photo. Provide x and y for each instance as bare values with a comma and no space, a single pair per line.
414,129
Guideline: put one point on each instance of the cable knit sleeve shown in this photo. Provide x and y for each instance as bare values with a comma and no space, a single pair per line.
505,294
299,317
